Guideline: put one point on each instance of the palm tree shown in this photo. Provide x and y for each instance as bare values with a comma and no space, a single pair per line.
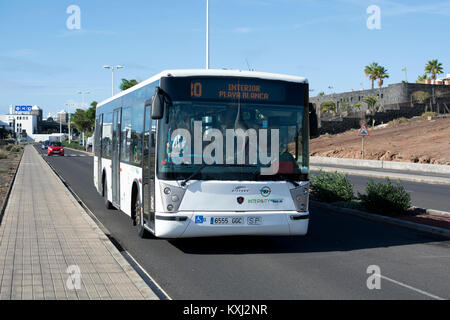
371,102
434,67
421,79
371,72
381,73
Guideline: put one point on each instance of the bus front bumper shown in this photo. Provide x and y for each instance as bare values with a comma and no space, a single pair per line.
211,224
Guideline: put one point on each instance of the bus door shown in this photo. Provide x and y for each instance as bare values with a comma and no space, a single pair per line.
98,150
117,116
148,169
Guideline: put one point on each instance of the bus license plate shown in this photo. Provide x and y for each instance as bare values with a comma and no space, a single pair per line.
227,220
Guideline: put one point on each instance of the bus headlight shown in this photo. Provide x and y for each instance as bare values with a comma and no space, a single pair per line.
300,197
171,197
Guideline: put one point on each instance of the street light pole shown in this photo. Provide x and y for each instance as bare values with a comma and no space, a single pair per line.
112,78
207,34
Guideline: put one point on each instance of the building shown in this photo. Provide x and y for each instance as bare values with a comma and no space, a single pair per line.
444,80
22,120
62,117
394,101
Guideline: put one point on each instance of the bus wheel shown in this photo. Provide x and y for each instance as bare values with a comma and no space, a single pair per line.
108,204
138,221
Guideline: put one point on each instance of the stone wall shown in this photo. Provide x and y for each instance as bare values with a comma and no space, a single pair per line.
395,101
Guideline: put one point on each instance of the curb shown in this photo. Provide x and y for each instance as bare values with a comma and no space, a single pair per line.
383,219
378,174
8,193
106,237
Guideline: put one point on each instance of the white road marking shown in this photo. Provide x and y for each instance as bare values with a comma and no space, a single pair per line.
412,288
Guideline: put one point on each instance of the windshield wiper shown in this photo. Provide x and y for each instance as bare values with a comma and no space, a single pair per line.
196,172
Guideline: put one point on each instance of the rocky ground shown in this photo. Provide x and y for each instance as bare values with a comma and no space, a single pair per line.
416,140
9,159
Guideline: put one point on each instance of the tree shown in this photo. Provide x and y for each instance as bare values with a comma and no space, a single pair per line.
371,72
90,115
81,121
371,103
381,73
433,67
328,106
421,96
127,84
421,79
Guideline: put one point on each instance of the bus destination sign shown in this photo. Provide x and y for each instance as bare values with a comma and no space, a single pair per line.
250,90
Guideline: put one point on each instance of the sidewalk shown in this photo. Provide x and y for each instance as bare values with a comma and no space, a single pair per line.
45,231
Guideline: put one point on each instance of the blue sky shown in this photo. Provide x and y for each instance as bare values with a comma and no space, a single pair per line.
44,63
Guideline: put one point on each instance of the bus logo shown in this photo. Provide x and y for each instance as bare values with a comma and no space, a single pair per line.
265,191
240,200
240,189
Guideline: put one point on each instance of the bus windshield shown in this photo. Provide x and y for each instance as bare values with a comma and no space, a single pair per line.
193,134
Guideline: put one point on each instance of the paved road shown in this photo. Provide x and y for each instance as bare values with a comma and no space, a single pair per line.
430,196
330,263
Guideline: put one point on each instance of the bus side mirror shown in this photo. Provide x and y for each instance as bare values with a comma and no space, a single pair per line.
313,123
157,104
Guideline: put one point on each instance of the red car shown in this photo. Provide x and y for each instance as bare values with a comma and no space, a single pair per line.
55,148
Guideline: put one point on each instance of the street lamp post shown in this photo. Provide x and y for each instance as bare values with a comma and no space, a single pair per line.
112,71
207,34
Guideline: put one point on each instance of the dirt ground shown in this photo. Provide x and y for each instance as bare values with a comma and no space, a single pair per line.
419,141
7,168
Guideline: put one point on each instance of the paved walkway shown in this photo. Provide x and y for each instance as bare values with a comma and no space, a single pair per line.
47,239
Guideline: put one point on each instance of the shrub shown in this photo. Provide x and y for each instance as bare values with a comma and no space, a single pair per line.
331,187
3,155
398,121
16,149
386,198
352,204
428,114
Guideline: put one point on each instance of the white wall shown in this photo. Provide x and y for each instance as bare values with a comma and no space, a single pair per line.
50,137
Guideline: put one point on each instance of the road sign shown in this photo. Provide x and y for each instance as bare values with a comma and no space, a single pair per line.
23,108
363,131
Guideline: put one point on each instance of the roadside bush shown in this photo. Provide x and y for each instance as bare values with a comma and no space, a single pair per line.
398,121
428,114
386,198
3,155
355,204
331,187
9,147
16,149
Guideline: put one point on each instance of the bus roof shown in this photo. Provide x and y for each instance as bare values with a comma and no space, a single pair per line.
209,72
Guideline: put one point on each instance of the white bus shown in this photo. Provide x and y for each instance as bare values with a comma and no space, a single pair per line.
160,155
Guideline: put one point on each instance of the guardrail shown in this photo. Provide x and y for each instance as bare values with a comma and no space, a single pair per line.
391,165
